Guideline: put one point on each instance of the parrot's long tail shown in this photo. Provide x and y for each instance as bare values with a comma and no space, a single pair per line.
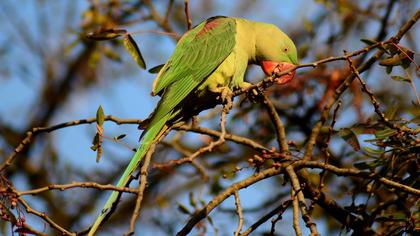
152,134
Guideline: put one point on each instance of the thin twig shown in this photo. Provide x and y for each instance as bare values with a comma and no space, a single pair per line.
37,130
356,173
279,127
405,54
231,137
332,208
159,20
187,14
201,214
143,183
62,187
269,80
278,210
372,97
31,231
327,143
295,202
173,34
299,194
207,148
200,168
413,86
340,90
239,212
42,215
168,11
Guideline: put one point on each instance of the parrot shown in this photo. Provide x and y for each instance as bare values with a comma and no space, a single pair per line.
209,60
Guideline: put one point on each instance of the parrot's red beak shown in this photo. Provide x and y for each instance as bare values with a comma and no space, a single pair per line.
270,67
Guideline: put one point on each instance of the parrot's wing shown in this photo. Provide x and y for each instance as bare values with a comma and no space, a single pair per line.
199,52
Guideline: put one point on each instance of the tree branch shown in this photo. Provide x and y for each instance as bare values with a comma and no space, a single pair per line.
63,187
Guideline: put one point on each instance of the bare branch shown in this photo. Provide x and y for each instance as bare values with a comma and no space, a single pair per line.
373,100
201,214
295,202
340,90
207,148
278,124
187,14
63,187
239,212
298,194
356,173
143,183
41,215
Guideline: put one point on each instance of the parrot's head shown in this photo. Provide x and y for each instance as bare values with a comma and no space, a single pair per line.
275,51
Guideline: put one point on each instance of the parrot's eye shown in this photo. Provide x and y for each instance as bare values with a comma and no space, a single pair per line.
285,49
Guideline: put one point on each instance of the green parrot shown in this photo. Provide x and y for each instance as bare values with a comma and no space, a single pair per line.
209,60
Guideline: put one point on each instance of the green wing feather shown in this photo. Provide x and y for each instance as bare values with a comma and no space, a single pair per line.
196,56
199,52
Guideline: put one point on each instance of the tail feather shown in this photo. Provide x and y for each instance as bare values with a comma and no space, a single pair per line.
150,135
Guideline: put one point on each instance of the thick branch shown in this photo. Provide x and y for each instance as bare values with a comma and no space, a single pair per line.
205,211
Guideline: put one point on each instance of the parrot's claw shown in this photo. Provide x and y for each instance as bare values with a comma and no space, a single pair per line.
225,95
252,94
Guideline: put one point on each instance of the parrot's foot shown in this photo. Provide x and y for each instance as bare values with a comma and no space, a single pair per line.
225,95
252,94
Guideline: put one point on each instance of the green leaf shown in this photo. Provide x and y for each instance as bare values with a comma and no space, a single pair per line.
350,137
193,203
156,69
210,220
372,152
119,137
94,147
100,116
325,130
391,61
368,41
95,142
105,34
97,146
400,78
134,50
407,58
389,69
396,216
381,134
391,111
365,165
183,209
